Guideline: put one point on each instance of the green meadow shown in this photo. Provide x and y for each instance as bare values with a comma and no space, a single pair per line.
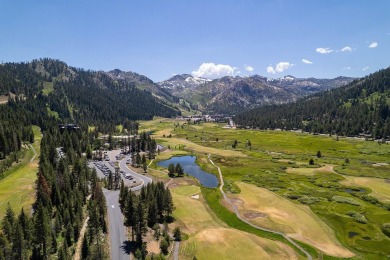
18,188
352,210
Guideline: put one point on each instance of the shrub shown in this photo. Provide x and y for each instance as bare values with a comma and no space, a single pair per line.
309,200
386,229
357,216
292,196
341,199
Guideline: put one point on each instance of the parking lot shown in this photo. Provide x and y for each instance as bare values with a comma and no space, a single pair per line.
107,165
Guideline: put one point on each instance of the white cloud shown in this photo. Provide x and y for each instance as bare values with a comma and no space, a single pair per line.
365,68
346,68
270,70
280,67
324,50
306,61
213,71
346,48
373,45
249,68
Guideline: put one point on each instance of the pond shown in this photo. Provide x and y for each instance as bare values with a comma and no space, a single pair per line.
191,168
354,190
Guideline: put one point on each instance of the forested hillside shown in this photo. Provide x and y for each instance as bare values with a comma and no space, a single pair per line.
361,107
62,185
87,97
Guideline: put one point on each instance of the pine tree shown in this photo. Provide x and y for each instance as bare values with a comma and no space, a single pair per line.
85,248
24,222
42,231
171,170
152,213
164,246
8,222
138,160
129,214
179,170
138,254
169,203
110,181
140,221
177,233
145,166
19,248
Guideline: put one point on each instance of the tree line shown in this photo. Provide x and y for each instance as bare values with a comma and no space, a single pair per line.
62,188
85,96
148,210
359,108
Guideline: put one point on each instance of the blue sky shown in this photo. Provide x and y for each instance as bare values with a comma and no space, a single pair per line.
209,38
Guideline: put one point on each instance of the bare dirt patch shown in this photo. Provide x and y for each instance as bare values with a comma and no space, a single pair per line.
153,246
203,160
196,197
236,201
285,161
255,214
178,182
380,164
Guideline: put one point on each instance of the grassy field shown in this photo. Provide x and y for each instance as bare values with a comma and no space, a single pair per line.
18,187
209,238
380,188
267,209
179,143
278,161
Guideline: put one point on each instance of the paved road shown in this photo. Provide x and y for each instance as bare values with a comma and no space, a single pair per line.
145,180
120,247
176,251
309,257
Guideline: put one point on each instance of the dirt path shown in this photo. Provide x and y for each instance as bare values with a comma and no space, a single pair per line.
77,254
309,257
35,153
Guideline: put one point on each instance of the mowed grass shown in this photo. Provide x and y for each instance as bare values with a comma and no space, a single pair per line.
18,188
380,188
209,238
188,145
281,214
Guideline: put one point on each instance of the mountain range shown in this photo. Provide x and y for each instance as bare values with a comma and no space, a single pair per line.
226,95
230,95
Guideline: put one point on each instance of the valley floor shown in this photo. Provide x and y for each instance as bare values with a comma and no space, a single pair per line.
336,206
